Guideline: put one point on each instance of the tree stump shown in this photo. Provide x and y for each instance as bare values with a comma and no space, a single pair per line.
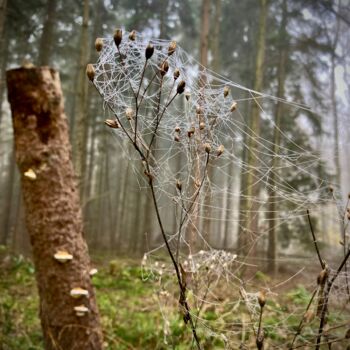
53,213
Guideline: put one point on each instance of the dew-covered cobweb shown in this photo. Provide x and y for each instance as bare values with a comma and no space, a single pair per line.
194,141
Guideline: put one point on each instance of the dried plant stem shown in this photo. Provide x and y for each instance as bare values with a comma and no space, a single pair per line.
301,323
137,148
325,305
158,122
175,264
150,83
141,80
345,245
259,334
123,67
323,343
146,162
323,265
188,210
180,229
137,96
159,98
242,292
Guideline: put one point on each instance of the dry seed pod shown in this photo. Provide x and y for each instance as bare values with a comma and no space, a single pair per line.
207,147
262,299
149,51
199,110
98,44
177,138
220,150
331,189
171,48
132,35
201,125
112,123
177,129
164,68
191,131
129,113
181,87
90,72
260,340
226,91
118,36
233,106
149,175
197,183
322,277
187,95
179,185
176,73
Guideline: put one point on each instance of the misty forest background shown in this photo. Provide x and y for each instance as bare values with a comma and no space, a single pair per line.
307,60
62,34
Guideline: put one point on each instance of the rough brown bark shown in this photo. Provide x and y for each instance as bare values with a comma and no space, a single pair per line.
53,214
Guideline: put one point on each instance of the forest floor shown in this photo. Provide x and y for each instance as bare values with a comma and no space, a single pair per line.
133,319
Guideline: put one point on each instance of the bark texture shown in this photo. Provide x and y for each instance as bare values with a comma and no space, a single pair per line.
282,62
250,191
3,50
80,121
53,214
194,223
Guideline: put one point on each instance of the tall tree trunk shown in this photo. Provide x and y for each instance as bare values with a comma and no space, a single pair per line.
3,50
46,41
207,212
53,214
283,52
80,118
204,34
11,183
3,10
228,229
193,224
335,119
250,189
216,37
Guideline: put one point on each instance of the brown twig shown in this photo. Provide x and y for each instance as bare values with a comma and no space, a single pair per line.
315,241
301,323
325,305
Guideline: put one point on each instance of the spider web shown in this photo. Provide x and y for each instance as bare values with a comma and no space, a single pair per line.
212,112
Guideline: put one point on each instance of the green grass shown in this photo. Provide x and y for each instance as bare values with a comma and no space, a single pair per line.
129,310
132,318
